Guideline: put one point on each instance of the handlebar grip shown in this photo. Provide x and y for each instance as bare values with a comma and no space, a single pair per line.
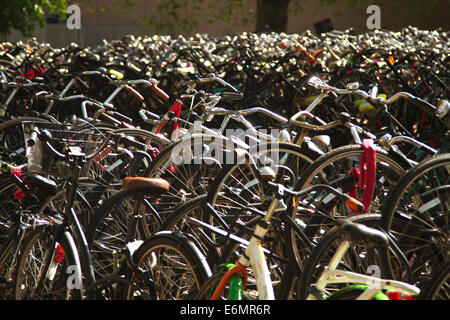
152,115
120,116
355,205
134,93
160,93
232,96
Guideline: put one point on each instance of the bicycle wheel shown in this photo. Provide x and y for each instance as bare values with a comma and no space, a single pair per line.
237,201
417,215
234,187
189,165
236,184
111,228
13,240
171,268
49,268
359,258
130,156
439,286
178,220
334,168
8,262
9,206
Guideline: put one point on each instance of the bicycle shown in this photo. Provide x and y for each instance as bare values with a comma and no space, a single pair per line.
61,238
333,270
254,257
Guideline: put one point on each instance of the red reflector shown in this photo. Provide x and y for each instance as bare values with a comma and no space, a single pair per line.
394,295
59,254
19,195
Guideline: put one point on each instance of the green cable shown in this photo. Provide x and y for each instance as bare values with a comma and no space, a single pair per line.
359,287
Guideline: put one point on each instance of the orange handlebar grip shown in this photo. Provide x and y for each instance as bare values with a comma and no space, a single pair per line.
135,94
160,93
355,205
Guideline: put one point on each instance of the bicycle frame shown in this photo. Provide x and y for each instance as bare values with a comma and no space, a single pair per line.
255,258
332,276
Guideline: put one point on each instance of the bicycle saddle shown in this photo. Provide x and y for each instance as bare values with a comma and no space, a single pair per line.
44,186
360,233
150,186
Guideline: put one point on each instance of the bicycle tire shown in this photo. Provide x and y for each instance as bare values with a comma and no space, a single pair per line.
313,223
324,250
187,180
110,228
236,190
421,233
37,256
185,277
439,286
220,249
7,270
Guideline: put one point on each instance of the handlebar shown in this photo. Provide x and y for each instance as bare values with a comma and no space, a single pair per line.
351,202
46,137
152,83
216,111
44,96
213,78
12,84
107,109
317,83
323,125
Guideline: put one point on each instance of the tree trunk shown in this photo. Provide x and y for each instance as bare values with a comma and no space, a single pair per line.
272,15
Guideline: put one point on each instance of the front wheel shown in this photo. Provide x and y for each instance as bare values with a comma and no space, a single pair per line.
170,268
49,268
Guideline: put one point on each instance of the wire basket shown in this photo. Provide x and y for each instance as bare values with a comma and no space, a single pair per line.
41,160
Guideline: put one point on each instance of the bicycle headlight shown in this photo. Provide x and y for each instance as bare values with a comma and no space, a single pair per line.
442,109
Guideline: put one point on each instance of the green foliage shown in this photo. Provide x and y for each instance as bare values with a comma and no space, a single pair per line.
23,15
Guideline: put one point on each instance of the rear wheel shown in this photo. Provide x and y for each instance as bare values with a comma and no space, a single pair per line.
439,286
171,268
417,216
335,169
49,269
359,258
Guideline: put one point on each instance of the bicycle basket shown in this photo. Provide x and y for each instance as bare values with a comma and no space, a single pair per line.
41,160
